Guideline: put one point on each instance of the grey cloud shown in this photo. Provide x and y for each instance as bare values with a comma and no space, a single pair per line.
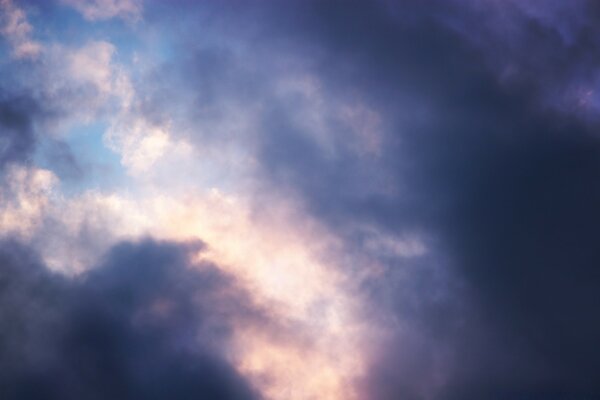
142,325
505,187
17,138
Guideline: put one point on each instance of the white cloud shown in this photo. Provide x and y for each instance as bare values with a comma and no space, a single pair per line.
92,64
139,143
80,84
17,31
94,10
24,199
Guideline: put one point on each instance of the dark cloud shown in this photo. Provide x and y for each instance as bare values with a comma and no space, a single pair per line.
142,325
24,132
552,50
17,139
484,152
505,187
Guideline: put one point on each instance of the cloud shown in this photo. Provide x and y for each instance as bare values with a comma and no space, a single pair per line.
17,31
140,143
58,94
97,10
17,137
144,324
81,84
287,271
25,196
500,187
409,189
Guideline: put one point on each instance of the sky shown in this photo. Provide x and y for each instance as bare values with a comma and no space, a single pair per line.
298,200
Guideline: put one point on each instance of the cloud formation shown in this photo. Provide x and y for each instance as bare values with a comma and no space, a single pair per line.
17,31
143,325
472,160
397,199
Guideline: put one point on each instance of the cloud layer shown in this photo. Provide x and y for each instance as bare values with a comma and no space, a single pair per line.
396,200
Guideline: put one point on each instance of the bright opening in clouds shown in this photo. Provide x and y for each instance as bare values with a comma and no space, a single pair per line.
298,200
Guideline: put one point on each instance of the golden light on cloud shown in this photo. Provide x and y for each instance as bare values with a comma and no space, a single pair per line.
313,348
280,259
311,345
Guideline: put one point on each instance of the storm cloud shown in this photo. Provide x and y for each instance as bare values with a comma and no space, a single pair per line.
507,189
143,325
403,194
497,168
